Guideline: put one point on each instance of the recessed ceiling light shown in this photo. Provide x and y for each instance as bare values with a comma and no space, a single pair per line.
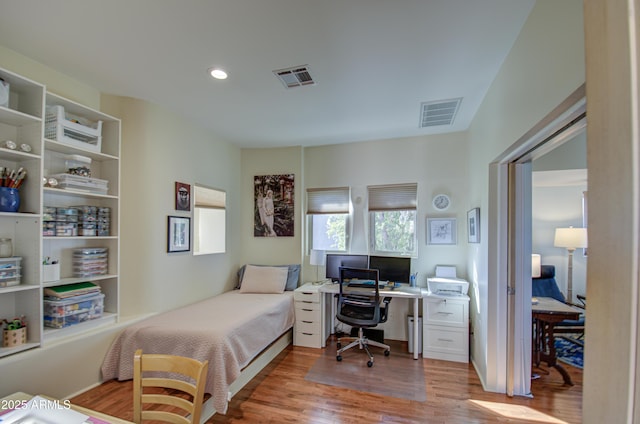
218,73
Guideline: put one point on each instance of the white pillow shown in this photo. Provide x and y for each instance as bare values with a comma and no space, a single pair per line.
264,279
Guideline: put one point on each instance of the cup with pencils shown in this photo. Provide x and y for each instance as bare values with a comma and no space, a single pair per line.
10,182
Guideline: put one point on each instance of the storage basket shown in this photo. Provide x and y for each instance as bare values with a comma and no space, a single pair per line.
11,338
73,310
72,130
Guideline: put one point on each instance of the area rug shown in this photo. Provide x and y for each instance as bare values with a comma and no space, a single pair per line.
397,375
570,351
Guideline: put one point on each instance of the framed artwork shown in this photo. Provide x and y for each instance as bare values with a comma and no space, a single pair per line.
274,205
441,231
473,225
179,234
183,196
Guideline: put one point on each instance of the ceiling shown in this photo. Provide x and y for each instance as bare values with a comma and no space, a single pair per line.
374,61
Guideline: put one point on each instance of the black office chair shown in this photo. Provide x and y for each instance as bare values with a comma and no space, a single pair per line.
359,306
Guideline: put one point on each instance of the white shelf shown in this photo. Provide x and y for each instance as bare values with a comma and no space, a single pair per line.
16,118
73,280
6,351
56,146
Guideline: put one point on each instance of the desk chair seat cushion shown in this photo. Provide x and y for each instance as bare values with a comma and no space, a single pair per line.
545,285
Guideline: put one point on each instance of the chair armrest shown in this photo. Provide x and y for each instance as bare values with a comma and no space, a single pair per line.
583,300
384,310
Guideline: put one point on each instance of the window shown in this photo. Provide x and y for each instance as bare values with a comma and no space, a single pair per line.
209,213
327,218
392,219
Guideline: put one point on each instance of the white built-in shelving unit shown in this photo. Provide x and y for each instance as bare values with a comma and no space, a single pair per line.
23,122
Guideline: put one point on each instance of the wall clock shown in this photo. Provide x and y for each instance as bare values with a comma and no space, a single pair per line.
441,202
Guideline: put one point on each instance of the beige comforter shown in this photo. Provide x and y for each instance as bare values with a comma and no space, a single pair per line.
229,330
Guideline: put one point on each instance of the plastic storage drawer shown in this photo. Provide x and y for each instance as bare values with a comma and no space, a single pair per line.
10,271
74,310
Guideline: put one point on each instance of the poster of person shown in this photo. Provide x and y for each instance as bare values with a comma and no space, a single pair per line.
183,196
274,205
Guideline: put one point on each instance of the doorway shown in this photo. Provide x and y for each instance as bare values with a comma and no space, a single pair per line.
511,192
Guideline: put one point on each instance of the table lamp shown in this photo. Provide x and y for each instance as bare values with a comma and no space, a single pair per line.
535,265
317,258
571,239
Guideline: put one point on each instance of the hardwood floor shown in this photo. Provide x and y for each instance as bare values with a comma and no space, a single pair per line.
280,394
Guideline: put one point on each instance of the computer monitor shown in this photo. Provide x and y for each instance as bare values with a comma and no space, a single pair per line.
391,268
335,261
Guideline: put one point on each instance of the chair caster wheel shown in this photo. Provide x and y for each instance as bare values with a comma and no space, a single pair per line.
370,364
387,352
338,345
339,358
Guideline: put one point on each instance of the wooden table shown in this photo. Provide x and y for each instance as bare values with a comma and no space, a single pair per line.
94,416
546,313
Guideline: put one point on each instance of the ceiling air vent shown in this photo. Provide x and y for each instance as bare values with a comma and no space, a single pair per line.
441,112
297,76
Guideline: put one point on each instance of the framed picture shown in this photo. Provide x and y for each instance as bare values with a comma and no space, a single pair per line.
274,205
441,231
179,234
473,225
183,196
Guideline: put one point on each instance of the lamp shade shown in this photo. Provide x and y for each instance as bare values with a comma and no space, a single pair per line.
317,257
570,238
535,265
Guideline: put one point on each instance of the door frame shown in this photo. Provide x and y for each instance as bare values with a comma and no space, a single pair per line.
510,228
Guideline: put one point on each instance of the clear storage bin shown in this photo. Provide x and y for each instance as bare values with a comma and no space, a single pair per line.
73,310
10,271
80,183
90,262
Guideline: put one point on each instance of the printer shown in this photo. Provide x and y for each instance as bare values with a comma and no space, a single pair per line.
447,286
446,283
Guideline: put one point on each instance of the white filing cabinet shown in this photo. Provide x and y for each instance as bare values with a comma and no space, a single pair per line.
308,325
445,325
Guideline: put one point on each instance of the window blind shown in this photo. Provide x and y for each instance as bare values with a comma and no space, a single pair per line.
393,197
209,198
328,200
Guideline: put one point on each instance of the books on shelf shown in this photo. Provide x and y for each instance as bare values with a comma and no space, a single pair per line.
69,290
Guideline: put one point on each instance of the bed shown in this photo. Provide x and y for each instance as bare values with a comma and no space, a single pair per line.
229,330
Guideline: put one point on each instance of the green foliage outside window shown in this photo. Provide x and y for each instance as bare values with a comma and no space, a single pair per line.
394,231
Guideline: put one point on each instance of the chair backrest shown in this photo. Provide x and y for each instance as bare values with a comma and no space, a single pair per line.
359,298
163,380
545,285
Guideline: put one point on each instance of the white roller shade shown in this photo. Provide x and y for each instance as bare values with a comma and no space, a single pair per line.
209,198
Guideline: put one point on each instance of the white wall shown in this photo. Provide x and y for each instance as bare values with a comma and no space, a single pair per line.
269,250
545,65
437,163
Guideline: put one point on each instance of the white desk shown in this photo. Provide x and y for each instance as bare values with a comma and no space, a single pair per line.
404,291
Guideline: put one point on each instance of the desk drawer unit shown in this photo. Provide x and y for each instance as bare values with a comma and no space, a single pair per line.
308,324
445,328
444,311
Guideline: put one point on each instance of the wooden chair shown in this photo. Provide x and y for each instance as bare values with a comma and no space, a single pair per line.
164,372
